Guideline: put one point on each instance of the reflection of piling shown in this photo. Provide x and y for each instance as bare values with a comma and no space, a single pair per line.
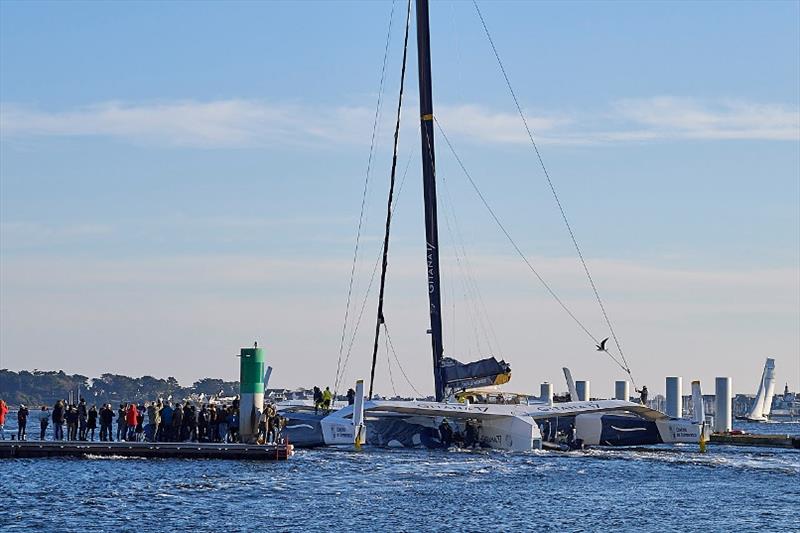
722,412
251,392
546,393
583,390
622,390
674,397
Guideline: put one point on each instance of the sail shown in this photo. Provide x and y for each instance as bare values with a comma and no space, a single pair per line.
766,389
488,371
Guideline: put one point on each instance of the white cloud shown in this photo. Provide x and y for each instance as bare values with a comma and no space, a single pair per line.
246,123
215,124
682,118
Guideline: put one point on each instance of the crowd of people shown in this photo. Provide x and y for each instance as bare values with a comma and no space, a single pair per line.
158,421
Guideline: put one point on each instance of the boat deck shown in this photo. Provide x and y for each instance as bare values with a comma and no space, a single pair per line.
177,450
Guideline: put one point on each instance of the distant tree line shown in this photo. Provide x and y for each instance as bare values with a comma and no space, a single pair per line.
42,387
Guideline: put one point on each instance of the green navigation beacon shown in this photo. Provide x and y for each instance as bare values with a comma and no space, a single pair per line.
251,391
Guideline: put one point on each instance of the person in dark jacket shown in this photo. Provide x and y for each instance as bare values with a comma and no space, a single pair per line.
106,422
165,433
177,423
91,423
213,424
22,422
351,396
58,420
72,422
44,421
82,416
317,399
446,433
122,427
642,395
203,419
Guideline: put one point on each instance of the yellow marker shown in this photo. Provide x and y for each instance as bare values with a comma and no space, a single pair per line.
703,438
429,116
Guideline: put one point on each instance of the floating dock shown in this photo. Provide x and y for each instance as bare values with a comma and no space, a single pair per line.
746,439
174,450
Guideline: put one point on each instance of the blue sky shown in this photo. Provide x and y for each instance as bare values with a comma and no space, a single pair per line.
177,179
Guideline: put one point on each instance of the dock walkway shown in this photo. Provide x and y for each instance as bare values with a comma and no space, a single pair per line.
178,450
748,439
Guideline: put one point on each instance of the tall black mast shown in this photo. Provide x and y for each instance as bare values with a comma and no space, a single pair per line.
429,186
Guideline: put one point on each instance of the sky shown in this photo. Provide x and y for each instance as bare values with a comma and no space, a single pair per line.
178,180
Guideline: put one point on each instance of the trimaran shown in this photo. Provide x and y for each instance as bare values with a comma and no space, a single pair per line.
520,426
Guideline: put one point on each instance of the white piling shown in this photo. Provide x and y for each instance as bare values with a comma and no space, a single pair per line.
674,397
622,390
698,411
722,409
583,390
546,393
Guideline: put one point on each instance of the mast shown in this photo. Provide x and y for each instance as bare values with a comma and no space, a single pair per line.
429,186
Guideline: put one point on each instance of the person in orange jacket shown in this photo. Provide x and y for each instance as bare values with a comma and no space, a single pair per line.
130,420
3,413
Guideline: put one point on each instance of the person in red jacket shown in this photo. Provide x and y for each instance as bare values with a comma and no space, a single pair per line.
3,413
130,420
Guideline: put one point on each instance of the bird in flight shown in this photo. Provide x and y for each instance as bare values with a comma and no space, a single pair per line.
602,346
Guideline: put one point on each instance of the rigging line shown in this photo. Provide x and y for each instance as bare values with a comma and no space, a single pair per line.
508,235
389,365
399,365
371,281
379,319
553,190
375,123
471,278
470,297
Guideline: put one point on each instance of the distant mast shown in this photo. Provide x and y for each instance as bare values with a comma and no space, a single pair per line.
429,186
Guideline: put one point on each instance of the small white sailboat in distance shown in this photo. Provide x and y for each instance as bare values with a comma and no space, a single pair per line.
766,390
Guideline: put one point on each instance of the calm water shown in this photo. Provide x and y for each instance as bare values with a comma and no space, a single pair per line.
656,489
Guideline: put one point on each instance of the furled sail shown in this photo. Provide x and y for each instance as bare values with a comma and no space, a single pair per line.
458,376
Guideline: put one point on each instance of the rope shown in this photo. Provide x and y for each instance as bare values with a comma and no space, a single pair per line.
375,123
371,281
508,235
389,365
397,359
626,367
380,320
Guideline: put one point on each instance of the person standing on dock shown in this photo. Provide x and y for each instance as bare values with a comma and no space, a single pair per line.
58,420
131,418
3,413
213,424
202,424
121,429
22,421
177,423
351,396
82,415
91,423
44,421
165,430
106,422
153,420
72,422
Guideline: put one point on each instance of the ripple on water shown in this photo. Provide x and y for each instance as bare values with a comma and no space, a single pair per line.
393,490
